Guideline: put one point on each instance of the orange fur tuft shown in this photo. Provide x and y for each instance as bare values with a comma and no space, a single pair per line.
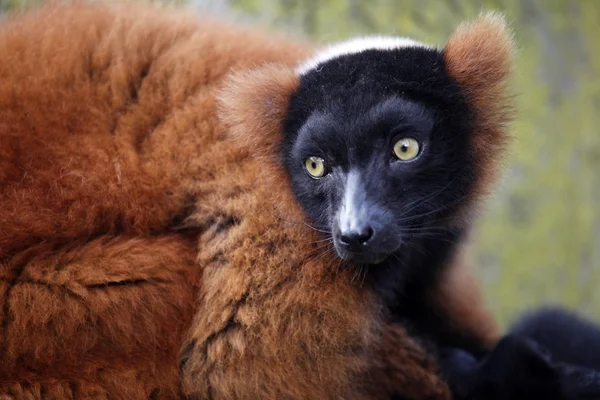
479,56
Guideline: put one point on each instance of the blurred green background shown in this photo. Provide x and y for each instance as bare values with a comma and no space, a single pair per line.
539,238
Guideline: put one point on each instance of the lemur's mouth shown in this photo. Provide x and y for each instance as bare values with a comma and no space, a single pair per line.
366,246
361,257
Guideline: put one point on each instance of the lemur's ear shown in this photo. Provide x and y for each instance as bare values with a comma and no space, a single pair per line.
253,106
479,56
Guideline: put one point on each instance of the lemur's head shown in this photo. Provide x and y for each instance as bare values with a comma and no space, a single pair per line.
385,139
377,143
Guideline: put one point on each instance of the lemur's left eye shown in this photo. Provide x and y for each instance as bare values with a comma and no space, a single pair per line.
316,167
406,149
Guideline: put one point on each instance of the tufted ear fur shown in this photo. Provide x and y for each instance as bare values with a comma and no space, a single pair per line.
252,108
253,105
479,56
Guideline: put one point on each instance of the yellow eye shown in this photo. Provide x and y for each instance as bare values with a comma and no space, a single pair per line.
406,149
315,166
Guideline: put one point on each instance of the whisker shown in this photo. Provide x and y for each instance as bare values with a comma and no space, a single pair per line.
436,237
354,274
323,246
416,228
314,228
442,208
329,239
412,205
325,253
402,262
364,275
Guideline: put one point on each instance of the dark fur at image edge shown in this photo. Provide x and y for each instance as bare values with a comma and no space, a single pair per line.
570,337
144,213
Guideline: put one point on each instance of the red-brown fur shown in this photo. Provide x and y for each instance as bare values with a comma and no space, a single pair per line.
479,56
135,219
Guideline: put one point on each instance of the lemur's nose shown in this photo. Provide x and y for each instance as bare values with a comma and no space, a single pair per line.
357,240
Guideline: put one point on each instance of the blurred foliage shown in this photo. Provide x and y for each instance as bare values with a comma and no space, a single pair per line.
6,5
539,238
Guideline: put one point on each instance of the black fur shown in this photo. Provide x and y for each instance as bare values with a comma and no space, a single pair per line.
550,353
516,369
569,337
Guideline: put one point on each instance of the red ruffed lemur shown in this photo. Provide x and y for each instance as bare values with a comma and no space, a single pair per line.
194,209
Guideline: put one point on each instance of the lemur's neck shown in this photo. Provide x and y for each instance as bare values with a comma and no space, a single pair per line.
404,280
415,267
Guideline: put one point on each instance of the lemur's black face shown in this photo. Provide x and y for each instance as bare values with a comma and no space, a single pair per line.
377,148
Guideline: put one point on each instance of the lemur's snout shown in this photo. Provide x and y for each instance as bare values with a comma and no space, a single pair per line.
361,230
365,239
362,244
357,240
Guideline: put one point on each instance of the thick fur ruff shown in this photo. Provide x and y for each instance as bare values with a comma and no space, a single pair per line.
137,221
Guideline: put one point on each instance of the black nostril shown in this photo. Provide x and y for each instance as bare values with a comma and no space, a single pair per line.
365,235
357,238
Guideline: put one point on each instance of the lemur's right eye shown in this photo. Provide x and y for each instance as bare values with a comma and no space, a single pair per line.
406,149
316,167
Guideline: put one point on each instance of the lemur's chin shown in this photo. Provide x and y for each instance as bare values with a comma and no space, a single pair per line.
366,257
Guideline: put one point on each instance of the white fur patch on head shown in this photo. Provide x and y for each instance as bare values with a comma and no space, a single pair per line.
355,46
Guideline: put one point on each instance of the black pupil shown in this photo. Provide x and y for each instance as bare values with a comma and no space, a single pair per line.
314,165
404,148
